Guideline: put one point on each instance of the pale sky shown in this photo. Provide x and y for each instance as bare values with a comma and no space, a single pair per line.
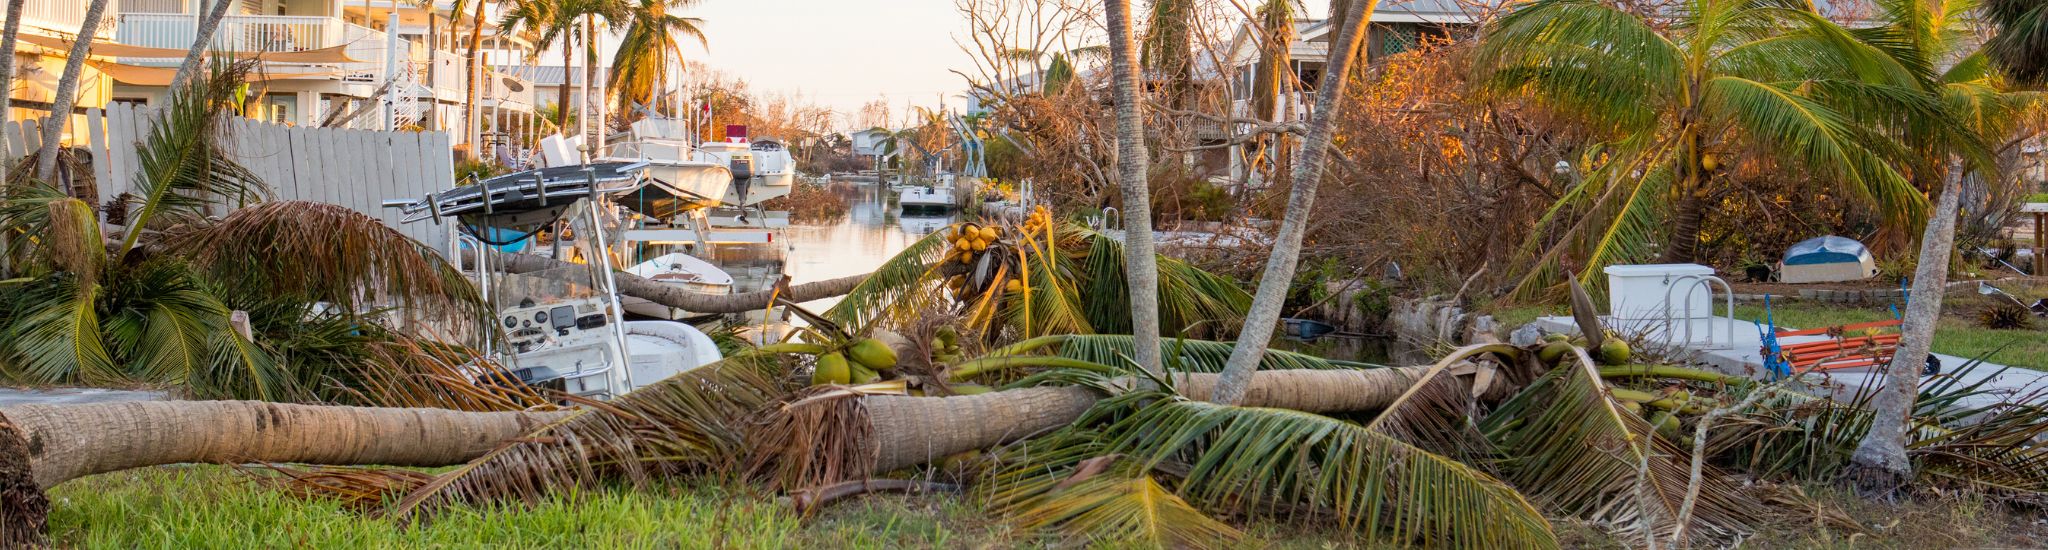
839,53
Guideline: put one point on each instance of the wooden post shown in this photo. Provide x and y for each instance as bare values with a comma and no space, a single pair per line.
2040,244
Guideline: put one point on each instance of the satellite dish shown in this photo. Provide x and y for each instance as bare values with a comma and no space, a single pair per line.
513,84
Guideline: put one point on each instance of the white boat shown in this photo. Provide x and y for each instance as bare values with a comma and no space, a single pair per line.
761,170
681,270
926,197
661,349
689,182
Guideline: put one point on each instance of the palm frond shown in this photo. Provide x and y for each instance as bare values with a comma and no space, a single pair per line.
1289,463
1574,448
184,170
1115,506
269,248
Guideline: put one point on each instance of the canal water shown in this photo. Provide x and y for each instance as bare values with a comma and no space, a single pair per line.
874,230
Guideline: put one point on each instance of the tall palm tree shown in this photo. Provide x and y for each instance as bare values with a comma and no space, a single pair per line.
1725,75
1273,76
67,89
1167,47
554,23
2021,45
1141,267
1975,109
200,41
640,69
8,35
1264,315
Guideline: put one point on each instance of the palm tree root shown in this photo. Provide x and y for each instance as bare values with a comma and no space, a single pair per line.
24,509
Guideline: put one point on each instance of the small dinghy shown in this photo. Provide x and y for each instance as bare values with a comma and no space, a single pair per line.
676,269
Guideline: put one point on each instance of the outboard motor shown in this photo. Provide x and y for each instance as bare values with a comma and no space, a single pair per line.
742,166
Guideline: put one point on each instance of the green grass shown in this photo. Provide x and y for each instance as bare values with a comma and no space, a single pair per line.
1958,334
214,507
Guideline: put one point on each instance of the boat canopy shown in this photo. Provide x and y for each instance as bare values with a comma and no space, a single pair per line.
525,198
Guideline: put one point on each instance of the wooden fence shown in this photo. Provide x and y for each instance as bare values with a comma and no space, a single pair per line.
358,169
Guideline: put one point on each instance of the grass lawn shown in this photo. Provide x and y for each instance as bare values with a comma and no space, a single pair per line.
1959,333
215,507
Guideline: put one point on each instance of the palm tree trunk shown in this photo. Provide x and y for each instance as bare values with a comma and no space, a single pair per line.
676,297
1308,172
1141,265
44,445
472,75
433,121
200,41
914,430
8,35
1880,459
562,94
67,89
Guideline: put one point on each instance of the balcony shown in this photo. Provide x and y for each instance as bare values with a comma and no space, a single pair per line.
58,17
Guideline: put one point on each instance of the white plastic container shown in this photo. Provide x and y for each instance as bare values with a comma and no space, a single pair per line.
1636,293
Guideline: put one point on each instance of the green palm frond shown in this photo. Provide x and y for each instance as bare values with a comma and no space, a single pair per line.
1812,134
183,168
1266,461
900,287
1115,506
2021,45
1568,443
1584,57
55,336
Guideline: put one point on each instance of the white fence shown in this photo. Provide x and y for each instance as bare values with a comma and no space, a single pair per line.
358,169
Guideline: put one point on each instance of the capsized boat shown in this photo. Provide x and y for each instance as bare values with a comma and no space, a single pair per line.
680,270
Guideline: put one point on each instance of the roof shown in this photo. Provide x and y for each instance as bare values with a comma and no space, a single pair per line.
548,75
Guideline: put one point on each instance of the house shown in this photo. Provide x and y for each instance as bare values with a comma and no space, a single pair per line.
39,57
322,61
1397,26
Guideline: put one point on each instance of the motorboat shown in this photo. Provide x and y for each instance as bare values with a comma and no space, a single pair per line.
926,198
679,270
563,328
761,170
686,181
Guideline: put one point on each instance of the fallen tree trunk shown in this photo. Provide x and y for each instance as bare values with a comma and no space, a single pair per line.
694,302
909,431
65,442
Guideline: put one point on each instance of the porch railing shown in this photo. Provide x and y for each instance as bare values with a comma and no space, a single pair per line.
241,33
61,16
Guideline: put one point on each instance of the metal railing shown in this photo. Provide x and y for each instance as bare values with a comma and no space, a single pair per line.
151,6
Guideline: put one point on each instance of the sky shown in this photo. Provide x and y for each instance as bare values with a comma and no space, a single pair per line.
838,53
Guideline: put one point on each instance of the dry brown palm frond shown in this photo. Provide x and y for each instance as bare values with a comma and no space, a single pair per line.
691,422
72,241
1572,447
355,261
359,489
820,437
404,371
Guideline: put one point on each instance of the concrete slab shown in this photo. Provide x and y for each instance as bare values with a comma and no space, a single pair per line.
1741,354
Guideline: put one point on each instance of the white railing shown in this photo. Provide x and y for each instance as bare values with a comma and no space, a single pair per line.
240,33
62,16
151,6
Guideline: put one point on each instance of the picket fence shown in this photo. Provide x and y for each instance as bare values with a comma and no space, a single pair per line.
356,169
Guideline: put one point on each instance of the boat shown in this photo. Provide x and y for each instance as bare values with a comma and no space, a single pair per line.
926,198
682,271
564,328
761,170
679,180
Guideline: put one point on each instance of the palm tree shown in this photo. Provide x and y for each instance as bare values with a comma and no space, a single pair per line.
67,89
641,66
8,36
550,21
201,40
1166,47
1264,315
1672,100
1274,76
155,306
2021,45
1974,110
1141,268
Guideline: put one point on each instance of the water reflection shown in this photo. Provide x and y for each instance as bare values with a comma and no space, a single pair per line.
872,231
